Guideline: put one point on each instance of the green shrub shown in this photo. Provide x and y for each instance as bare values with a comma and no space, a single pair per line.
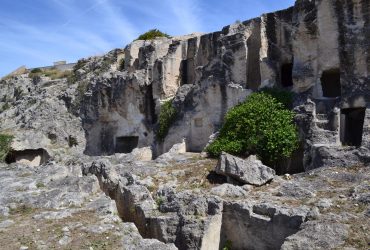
261,125
5,142
283,96
152,34
36,70
166,117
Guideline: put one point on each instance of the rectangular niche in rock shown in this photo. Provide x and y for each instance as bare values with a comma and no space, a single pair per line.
184,72
287,75
125,144
351,126
330,82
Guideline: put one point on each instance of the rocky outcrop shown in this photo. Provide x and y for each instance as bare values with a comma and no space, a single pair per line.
315,49
35,112
110,105
249,171
324,208
182,218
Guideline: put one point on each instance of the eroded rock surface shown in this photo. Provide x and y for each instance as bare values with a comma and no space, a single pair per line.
200,211
317,49
249,171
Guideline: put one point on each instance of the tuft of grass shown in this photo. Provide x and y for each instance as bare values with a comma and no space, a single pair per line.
5,145
159,200
228,245
72,141
21,210
40,185
5,107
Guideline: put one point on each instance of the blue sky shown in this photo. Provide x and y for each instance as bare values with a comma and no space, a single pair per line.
38,32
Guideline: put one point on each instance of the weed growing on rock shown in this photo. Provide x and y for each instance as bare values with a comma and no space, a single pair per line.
166,118
261,125
72,141
40,185
159,200
5,142
5,107
121,65
228,245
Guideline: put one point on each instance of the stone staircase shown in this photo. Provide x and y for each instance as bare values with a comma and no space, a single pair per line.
326,132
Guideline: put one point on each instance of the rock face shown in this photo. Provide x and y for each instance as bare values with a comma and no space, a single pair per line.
249,171
37,116
104,117
315,49
326,208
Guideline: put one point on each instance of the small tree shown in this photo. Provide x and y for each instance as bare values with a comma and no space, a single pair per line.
261,125
152,34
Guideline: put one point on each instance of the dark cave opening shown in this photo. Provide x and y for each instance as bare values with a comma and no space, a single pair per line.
330,82
184,72
32,157
287,75
125,144
351,126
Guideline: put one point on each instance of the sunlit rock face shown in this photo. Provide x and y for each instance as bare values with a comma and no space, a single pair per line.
317,49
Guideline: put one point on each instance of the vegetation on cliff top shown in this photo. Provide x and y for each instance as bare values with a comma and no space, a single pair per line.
152,34
53,73
5,142
261,125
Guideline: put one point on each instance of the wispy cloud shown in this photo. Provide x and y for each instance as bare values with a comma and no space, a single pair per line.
117,22
186,13
40,31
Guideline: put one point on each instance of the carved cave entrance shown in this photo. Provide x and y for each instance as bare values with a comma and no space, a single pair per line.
125,144
351,126
184,72
330,82
30,157
287,75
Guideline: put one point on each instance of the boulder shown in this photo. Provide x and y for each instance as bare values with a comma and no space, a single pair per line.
248,171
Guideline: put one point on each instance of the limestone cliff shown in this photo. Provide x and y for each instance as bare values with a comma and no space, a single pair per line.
317,49
101,119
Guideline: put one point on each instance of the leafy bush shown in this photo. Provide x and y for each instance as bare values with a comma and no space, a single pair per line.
152,34
281,95
166,117
261,125
5,142
36,70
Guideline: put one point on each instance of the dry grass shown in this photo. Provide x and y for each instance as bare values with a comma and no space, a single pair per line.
30,232
53,73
